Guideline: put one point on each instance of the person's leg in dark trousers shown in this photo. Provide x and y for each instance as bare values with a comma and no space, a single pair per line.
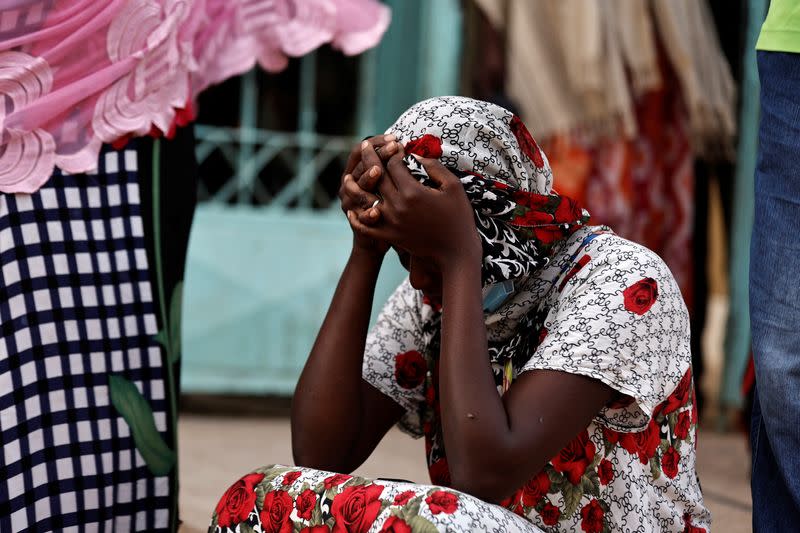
775,298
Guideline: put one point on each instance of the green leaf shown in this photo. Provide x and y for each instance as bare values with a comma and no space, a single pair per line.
572,498
655,468
591,484
244,527
133,407
420,524
162,338
557,480
175,306
316,515
410,509
595,461
261,493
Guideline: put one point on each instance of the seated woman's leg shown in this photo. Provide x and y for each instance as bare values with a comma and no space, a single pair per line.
284,499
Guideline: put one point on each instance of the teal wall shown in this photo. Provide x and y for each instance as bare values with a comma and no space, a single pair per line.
259,279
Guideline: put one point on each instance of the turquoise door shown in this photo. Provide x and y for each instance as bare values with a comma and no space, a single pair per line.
262,265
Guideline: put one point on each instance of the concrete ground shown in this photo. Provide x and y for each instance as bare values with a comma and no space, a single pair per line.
217,450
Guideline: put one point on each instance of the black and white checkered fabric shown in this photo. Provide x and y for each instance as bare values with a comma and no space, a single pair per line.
76,304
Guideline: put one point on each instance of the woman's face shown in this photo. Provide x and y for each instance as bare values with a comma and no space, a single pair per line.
423,275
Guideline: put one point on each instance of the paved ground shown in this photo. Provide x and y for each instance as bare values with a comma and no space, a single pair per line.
215,451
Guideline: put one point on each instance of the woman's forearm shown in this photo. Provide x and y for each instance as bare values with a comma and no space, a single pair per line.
474,419
328,394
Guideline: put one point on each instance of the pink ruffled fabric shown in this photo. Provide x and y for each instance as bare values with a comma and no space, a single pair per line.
75,74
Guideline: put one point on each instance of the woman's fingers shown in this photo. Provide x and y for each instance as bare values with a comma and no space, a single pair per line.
400,175
355,154
373,160
437,171
371,232
356,199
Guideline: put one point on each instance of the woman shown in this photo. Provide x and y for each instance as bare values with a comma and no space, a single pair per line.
545,362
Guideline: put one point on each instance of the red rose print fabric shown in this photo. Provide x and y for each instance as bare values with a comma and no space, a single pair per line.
237,502
426,146
316,501
608,309
410,369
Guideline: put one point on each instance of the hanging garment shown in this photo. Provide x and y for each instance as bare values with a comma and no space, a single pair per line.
77,74
641,187
577,66
89,353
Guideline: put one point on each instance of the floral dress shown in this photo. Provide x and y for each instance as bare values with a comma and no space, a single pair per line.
608,309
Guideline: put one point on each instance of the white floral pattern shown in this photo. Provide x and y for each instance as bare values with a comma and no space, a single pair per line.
633,469
283,499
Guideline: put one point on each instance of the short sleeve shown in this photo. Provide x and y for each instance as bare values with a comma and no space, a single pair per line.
394,361
620,319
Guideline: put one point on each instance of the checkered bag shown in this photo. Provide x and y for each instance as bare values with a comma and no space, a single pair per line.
76,306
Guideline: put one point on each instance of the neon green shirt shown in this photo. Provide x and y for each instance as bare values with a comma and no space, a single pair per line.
781,30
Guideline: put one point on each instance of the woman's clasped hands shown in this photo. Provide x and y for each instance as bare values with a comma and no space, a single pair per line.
386,206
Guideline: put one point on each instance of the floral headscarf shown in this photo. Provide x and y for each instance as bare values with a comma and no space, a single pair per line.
508,181
504,173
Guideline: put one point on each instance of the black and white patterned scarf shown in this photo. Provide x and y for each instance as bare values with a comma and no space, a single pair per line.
504,173
508,181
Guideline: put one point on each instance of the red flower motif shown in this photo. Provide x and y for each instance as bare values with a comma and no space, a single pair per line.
531,217
526,142
669,462
276,513
403,497
575,457
547,235
689,528
511,500
439,473
426,146
430,303
683,425
442,502
641,296
356,508
550,514
579,264
537,202
542,334
605,471
237,502
568,210
679,397
410,369
535,489
291,477
592,517
395,525
644,443
335,479
305,504
316,529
